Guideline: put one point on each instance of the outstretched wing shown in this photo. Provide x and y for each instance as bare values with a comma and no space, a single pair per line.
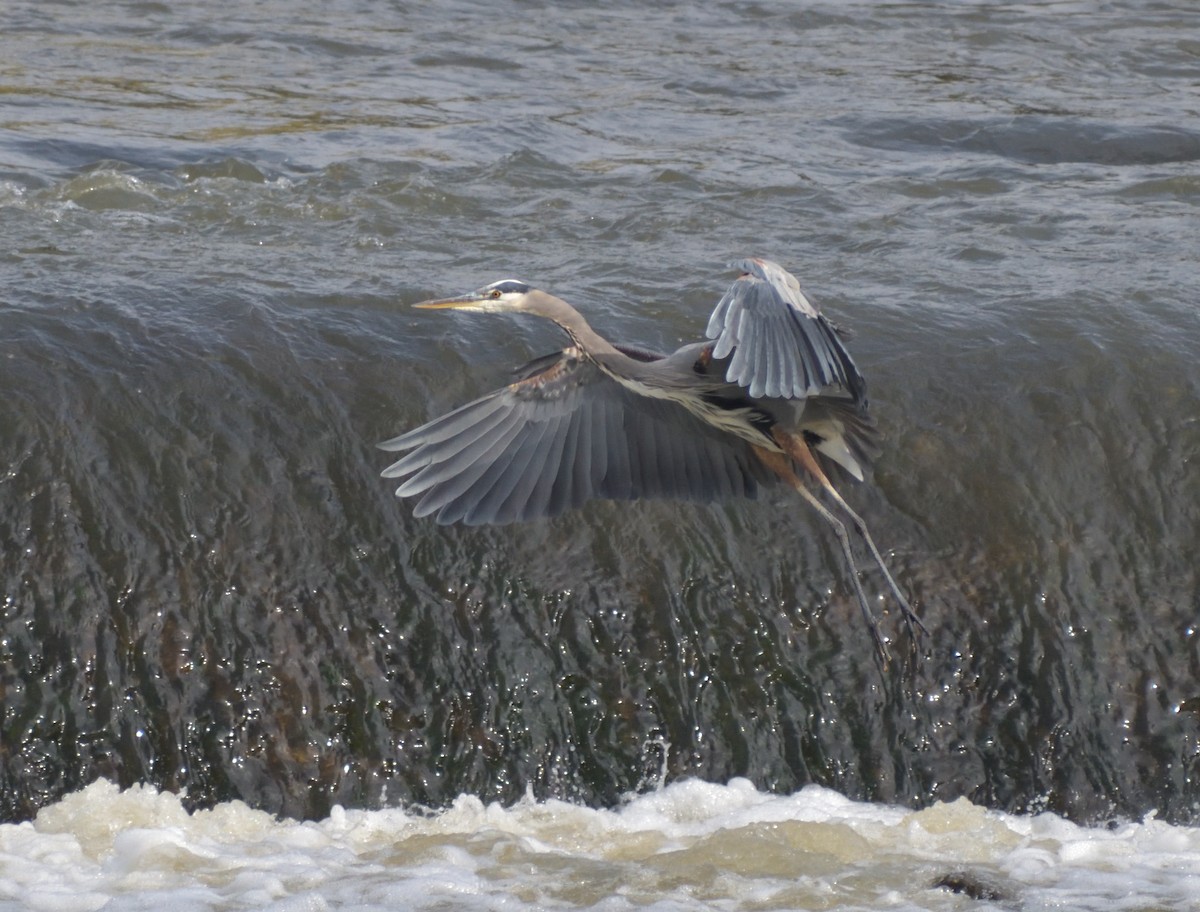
782,346
558,437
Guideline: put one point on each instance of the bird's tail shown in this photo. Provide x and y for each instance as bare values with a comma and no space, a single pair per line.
841,433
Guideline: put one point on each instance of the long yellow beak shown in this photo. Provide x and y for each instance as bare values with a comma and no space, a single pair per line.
455,303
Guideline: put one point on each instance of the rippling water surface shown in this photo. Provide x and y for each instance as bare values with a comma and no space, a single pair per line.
213,216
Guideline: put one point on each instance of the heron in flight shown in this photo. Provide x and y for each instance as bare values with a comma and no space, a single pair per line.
772,396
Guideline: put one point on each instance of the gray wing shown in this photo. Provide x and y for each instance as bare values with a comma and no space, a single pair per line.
555,439
782,347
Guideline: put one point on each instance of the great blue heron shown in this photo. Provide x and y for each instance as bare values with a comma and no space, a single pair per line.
774,395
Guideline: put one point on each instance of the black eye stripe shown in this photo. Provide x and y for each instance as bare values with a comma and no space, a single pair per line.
508,286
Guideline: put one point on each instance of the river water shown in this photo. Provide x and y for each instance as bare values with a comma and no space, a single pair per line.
212,219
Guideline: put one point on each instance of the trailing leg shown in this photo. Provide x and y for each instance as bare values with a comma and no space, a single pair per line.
779,464
800,452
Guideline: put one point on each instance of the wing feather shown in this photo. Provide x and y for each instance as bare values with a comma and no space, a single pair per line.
478,503
483,501
532,496
522,478
781,345
617,481
440,494
444,461
559,437
446,428
560,495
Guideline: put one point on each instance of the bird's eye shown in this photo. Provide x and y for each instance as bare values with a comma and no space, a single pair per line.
494,293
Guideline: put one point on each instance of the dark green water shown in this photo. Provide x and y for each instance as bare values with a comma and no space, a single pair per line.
210,226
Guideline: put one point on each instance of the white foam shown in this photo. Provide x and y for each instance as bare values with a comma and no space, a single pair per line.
692,844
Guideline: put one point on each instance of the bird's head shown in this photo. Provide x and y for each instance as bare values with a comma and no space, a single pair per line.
505,296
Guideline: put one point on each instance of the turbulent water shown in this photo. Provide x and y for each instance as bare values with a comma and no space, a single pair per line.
212,218
692,845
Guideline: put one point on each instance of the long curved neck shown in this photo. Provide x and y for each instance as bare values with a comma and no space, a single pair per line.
572,322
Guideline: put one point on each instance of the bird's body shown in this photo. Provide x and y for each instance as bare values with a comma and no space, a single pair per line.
773,395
